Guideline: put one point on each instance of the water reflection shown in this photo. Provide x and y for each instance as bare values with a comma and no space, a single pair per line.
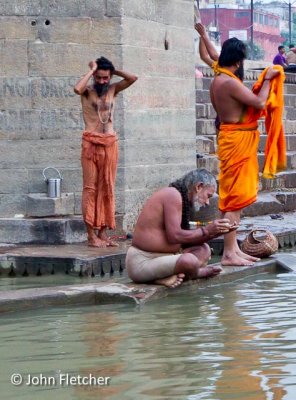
232,342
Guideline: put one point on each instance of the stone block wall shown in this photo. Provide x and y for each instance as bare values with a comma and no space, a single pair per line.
45,46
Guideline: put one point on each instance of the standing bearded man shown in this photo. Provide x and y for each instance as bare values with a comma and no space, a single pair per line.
99,148
238,110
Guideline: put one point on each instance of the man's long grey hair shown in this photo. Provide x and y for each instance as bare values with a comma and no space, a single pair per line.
185,184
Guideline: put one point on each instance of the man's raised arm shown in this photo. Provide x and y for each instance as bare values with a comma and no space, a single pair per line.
81,85
128,79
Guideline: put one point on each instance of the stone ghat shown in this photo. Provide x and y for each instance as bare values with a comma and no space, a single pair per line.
135,294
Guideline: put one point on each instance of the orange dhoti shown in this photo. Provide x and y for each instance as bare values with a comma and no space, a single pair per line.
99,163
239,169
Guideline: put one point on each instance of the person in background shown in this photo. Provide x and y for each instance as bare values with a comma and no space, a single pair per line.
280,59
291,55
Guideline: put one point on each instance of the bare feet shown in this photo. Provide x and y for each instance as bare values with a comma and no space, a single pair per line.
234,260
112,243
208,271
102,235
241,254
247,256
172,281
96,242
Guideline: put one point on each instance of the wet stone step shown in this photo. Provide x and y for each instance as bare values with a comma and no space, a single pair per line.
33,266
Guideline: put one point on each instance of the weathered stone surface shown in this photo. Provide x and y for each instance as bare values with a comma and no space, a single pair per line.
68,8
149,34
16,93
56,59
42,230
20,7
265,204
159,124
171,12
163,152
11,204
114,8
39,205
159,64
31,154
71,180
13,181
8,54
203,96
205,145
209,162
55,93
169,93
205,127
18,28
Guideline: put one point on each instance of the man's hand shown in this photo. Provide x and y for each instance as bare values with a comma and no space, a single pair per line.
271,73
93,66
219,227
200,28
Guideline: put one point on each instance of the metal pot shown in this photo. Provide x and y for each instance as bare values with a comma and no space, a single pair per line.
53,184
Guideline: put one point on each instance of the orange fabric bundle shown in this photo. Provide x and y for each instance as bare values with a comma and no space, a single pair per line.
99,163
238,144
275,148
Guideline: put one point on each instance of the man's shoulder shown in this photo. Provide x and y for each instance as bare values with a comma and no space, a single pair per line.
170,193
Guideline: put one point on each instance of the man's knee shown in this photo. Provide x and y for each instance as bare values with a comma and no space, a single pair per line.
205,248
187,263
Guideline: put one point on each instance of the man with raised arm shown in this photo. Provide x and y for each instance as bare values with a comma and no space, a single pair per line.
100,147
238,110
164,250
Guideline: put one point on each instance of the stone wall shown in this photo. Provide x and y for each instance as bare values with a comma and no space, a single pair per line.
45,46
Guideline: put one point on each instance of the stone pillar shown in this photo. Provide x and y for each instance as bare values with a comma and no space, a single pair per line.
45,47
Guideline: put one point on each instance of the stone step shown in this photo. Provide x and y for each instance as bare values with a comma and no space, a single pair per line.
285,179
272,203
206,125
205,145
208,143
290,142
205,83
267,203
211,162
291,160
52,230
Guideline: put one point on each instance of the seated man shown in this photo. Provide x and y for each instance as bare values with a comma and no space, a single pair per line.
164,251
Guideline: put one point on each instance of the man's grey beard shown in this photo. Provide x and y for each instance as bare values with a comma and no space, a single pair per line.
197,206
101,89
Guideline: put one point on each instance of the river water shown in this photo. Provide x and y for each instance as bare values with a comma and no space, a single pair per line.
236,341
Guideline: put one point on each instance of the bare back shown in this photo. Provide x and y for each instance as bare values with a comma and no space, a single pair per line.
150,231
98,111
228,108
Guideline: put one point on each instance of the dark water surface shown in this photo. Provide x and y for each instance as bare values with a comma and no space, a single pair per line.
236,341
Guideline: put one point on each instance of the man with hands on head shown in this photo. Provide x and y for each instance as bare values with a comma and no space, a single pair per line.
100,147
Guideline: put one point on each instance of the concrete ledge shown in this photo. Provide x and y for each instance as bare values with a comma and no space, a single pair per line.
39,205
102,293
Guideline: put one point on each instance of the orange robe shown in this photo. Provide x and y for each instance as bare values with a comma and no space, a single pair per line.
99,163
238,146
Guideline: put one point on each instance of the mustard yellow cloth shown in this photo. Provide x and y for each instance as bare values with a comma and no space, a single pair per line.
238,145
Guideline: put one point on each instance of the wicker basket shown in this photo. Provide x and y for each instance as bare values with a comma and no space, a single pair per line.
262,245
